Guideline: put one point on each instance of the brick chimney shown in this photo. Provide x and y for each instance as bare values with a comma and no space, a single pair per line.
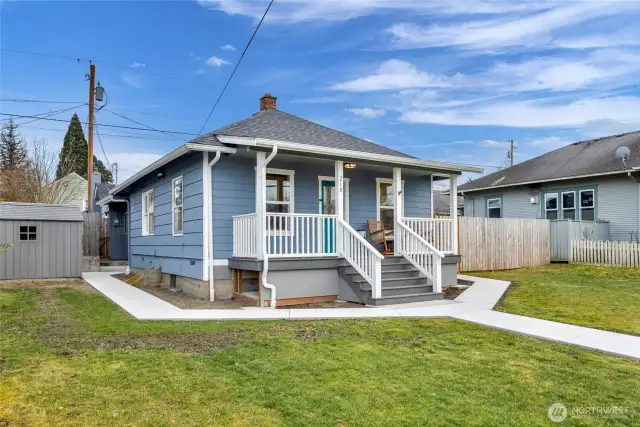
268,102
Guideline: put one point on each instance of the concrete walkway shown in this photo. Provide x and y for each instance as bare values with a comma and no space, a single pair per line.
474,305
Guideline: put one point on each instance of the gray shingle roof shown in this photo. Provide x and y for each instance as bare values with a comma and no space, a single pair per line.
589,157
39,212
102,190
281,126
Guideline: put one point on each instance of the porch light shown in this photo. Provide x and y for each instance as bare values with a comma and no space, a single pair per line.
349,165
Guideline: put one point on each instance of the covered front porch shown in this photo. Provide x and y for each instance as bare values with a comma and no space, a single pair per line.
320,208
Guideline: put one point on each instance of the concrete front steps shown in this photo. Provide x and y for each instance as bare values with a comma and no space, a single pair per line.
401,283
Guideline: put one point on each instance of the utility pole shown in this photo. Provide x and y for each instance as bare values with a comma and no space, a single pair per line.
92,93
114,167
511,151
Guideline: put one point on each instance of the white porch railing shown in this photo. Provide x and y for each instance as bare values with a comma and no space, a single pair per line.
244,236
361,255
424,256
300,235
436,231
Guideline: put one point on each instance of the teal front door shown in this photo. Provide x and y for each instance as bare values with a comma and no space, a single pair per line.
328,207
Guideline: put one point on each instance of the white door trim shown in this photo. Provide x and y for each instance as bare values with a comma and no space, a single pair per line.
346,194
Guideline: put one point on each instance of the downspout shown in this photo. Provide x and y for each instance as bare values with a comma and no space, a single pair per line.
209,225
265,257
128,269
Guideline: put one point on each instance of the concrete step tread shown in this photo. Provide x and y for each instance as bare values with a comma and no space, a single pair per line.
391,299
413,270
400,279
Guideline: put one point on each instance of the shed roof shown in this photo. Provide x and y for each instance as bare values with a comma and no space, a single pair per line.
580,159
39,212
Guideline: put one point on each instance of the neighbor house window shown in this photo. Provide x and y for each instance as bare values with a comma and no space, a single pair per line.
148,224
385,204
494,207
551,206
279,195
28,232
587,205
569,205
177,206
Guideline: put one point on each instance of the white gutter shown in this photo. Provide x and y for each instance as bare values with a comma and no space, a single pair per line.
265,256
350,154
542,181
207,222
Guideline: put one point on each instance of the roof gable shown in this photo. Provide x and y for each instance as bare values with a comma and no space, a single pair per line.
281,126
591,157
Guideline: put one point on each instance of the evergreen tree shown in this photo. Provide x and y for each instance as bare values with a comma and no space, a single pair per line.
73,156
13,154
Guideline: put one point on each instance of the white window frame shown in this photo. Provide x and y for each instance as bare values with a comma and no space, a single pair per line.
593,192
499,199
378,206
346,194
556,210
575,204
173,207
145,213
291,173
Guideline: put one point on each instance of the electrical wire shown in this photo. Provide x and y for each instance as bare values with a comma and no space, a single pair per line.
50,114
124,135
41,101
111,126
102,147
50,55
141,124
236,67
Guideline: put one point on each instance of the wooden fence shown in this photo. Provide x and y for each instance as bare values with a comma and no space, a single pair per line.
600,252
501,244
91,232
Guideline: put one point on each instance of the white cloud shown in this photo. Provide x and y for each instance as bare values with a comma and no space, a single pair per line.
137,65
367,113
494,144
522,30
214,61
227,47
319,100
392,74
131,79
199,71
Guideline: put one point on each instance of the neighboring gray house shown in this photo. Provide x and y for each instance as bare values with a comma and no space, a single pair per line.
273,209
46,239
442,204
582,181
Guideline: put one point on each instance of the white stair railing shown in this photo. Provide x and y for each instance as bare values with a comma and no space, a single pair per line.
437,231
244,232
362,256
424,256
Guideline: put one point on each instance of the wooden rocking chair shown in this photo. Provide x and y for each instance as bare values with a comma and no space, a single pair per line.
379,235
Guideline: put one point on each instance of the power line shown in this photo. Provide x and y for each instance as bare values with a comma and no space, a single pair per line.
43,116
40,101
102,147
50,55
111,126
236,67
124,135
153,114
141,124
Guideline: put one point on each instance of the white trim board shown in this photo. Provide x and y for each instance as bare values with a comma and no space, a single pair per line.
346,194
385,181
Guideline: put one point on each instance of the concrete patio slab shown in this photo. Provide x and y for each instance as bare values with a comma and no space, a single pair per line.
473,305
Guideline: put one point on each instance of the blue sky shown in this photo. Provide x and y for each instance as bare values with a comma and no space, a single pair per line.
449,81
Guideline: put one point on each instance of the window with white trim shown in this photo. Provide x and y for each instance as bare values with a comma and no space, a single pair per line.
177,206
587,205
148,220
551,206
279,194
494,207
385,201
569,205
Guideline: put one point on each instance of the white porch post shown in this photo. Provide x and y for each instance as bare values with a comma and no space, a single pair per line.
398,209
453,213
339,185
260,203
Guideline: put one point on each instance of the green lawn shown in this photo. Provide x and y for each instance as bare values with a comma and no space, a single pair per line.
597,297
70,357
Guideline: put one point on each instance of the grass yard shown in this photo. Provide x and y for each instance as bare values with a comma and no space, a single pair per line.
597,297
68,356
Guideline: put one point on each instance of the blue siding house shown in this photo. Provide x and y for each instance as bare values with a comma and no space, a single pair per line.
278,210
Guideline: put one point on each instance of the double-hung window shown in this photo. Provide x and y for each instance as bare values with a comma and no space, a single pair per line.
385,203
551,206
148,222
494,207
587,205
279,195
177,206
569,205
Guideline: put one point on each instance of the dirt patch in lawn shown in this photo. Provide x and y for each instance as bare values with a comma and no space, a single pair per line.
182,300
75,284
